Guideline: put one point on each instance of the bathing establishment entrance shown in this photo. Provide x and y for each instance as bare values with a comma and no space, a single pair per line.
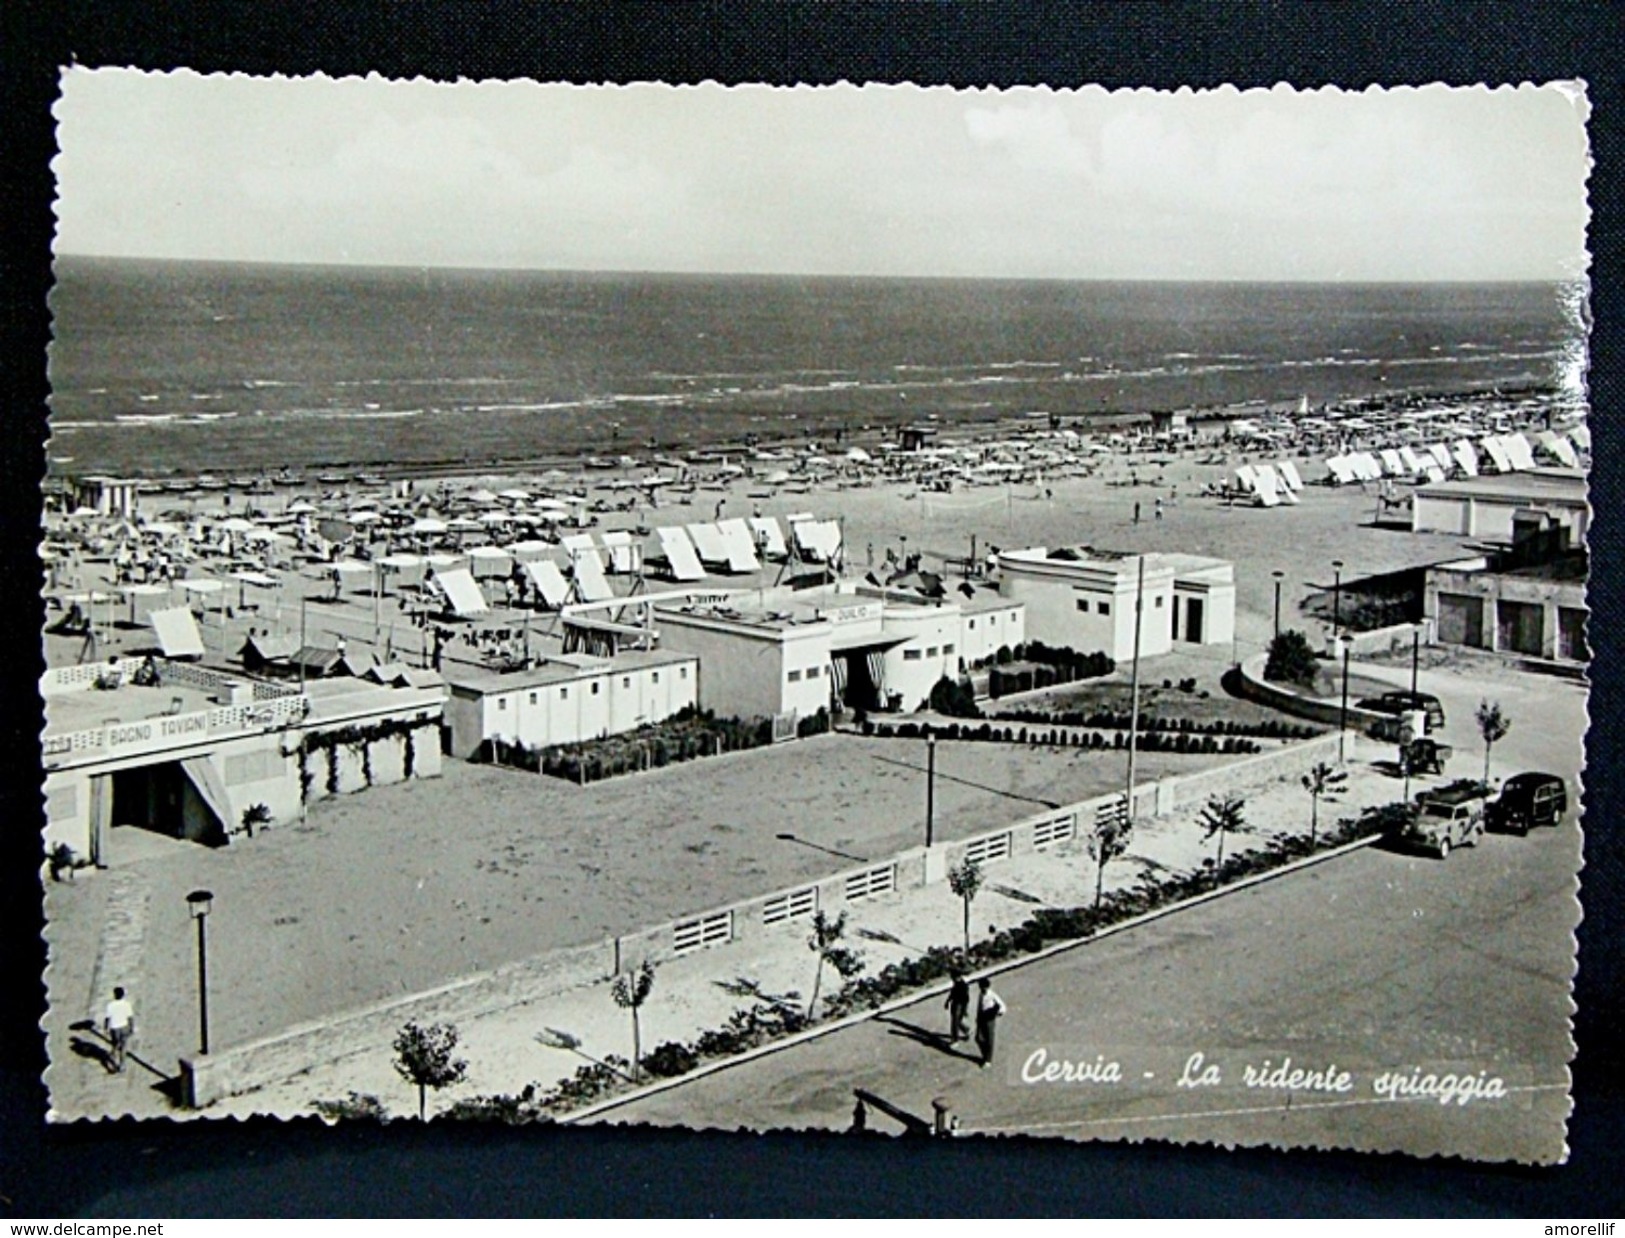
858,671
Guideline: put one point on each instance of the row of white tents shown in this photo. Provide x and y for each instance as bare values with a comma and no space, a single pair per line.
1270,485
1496,453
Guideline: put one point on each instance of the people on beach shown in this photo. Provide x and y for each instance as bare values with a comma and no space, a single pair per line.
990,1008
119,1022
958,1007
1136,512
1158,509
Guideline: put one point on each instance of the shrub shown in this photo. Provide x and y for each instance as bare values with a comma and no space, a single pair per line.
670,1059
954,698
1291,660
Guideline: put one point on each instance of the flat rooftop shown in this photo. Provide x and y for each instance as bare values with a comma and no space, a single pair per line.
560,669
1120,562
79,711
1534,486
780,610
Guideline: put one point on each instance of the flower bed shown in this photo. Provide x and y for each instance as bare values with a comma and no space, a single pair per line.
1148,740
768,1020
685,736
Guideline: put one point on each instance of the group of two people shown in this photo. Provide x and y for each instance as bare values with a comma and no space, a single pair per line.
989,1008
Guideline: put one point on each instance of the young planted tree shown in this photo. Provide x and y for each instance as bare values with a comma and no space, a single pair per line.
965,880
825,942
1223,815
1110,840
1324,781
424,1057
630,990
1493,725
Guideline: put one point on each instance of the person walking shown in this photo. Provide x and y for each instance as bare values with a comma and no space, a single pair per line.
989,1009
119,1020
958,1007
1136,513
1158,509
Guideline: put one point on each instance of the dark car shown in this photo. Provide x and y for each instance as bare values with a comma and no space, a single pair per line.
1399,702
1530,799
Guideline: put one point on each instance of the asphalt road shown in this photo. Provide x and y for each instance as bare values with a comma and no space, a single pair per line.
1375,962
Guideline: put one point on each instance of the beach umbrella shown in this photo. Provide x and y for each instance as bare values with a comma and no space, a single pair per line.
237,524
858,456
84,513
558,505
429,524
300,508
777,477
364,517
491,518
515,494
482,496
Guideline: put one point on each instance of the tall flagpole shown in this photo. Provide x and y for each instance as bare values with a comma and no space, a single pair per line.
1134,686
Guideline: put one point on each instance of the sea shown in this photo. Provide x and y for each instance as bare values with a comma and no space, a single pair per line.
189,367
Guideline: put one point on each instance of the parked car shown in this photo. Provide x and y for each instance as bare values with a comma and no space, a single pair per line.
1448,817
1425,756
1399,702
1527,800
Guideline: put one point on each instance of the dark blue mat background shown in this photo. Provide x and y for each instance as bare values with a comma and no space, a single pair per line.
270,1169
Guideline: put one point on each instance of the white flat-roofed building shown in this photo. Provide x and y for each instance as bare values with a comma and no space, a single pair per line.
569,698
185,752
1484,507
1084,599
775,652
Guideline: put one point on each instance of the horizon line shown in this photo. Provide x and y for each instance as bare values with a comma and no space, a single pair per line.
748,274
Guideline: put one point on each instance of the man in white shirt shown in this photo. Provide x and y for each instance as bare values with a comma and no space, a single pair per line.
120,1023
989,1008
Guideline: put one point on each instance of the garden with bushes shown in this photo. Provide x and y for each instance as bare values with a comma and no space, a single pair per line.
1047,734
685,736
771,1017
1035,665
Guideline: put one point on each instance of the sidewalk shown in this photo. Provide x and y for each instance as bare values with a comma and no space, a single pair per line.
689,996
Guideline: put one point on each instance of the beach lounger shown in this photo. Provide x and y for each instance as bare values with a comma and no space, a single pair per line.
769,537
462,593
548,582
588,570
679,552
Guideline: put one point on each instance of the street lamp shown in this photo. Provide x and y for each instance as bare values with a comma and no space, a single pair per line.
1337,597
930,787
1343,712
1279,575
1416,658
198,905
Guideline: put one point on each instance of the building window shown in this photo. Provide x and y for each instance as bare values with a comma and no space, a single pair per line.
947,650
502,704
795,676
812,672
1103,608
682,672
1083,605
564,694
532,698
626,681
911,655
654,676
973,625
931,651
1159,601
595,686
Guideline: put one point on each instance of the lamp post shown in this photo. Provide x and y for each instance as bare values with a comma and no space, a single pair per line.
1416,658
1279,575
930,787
198,905
1343,712
1134,689
1337,597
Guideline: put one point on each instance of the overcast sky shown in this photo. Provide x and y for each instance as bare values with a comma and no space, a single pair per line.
1381,185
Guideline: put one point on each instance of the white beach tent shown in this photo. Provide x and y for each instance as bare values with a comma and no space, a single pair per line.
1392,464
623,555
1497,452
1441,456
740,545
463,592
177,632
679,552
769,537
528,551
549,582
1266,486
1289,475
1518,448
1434,473
1411,461
1247,479
588,570
408,567
574,542
1581,434
351,572
1466,458
1564,451
709,542
488,561
1366,467
1341,470
144,600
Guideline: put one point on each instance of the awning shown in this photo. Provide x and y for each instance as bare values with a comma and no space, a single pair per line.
177,631
211,788
866,641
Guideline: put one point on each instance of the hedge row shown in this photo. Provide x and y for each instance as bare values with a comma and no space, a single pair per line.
1146,741
1111,720
1028,675
685,736
767,1021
